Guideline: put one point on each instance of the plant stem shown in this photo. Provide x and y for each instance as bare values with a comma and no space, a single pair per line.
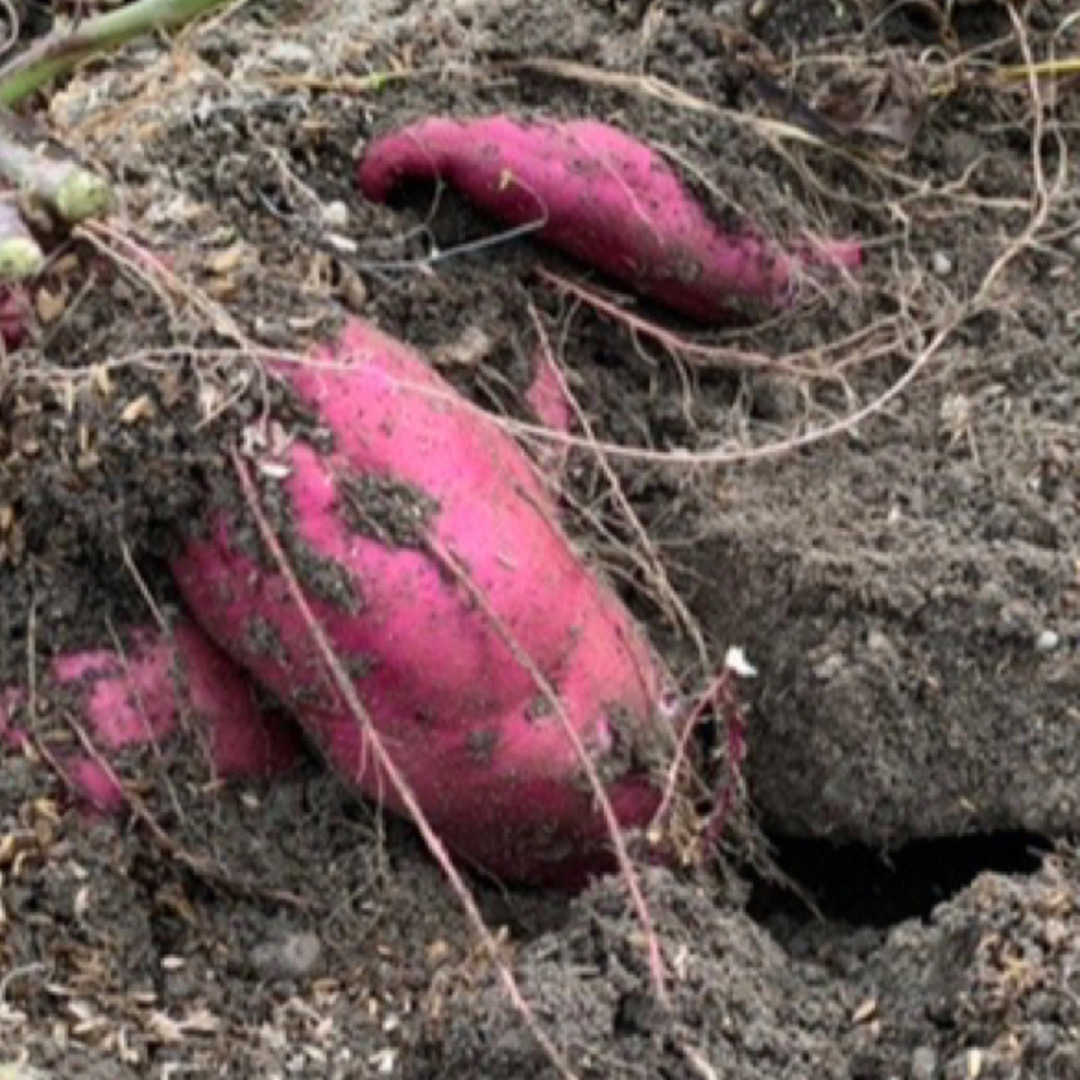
60,52
20,256
67,189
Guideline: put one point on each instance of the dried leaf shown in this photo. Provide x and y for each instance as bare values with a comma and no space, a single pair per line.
888,103
50,306
227,261
139,408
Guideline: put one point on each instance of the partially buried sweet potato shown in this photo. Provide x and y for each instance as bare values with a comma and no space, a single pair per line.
419,507
14,313
604,198
141,695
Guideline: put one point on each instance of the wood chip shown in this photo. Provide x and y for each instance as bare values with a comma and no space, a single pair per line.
50,306
141,408
227,261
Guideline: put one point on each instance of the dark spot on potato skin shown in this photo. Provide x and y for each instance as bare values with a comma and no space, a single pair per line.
538,709
327,580
360,666
482,743
425,717
389,511
263,639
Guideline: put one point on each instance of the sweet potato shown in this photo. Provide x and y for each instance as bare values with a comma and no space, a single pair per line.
141,695
602,197
14,312
421,506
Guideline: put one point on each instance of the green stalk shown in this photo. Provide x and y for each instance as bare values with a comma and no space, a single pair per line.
71,192
60,52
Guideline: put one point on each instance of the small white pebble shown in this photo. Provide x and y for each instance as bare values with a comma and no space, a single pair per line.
1047,641
941,264
290,54
335,215
736,661
384,1061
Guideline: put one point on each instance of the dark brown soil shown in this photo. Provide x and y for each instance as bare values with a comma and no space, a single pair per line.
908,588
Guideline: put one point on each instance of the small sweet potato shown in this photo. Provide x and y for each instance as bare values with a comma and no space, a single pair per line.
427,547
14,313
602,197
141,696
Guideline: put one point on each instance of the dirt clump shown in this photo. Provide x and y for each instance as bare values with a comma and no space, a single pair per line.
739,1005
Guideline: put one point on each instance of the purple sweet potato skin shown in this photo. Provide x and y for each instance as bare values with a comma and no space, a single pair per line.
491,766
14,312
602,197
141,695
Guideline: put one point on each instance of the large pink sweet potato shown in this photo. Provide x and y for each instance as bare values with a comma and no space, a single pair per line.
141,695
415,484
604,198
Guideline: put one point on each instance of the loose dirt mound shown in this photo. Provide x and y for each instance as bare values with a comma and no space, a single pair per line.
740,1009
908,587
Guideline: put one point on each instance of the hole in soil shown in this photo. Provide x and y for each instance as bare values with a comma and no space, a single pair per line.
856,884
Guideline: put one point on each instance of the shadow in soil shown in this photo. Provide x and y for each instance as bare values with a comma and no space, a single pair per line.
861,886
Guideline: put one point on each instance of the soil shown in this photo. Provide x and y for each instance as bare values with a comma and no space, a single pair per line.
907,585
